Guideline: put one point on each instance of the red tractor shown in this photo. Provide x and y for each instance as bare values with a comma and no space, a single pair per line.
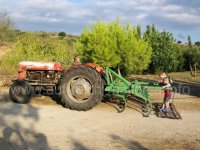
80,87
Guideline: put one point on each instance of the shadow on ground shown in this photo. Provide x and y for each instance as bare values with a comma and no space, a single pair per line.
115,142
4,97
114,102
78,145
17,135
129,144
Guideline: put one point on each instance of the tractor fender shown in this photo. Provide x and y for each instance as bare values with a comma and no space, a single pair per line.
99,69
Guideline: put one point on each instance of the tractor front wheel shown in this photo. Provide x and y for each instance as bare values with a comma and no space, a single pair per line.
20,92
81,88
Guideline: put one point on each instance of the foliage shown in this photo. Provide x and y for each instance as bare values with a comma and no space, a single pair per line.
113,45
197,43
182,66
189,41
71,40
179,42
192,57
7,34
166,55
62,34
33,47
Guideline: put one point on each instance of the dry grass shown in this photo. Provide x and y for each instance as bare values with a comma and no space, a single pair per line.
179,76
185,76
4,50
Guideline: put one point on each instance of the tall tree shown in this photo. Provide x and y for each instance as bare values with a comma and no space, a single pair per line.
165,54
192,56
193,59
139,32
189,41
113,45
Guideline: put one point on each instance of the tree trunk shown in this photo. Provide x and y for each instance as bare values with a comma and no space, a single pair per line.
191,70
195,70
118,70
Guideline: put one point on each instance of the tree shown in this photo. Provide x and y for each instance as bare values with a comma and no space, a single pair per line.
62,34
113,45
135,53
139,32
179,42
197,43
189,41
165,54
6,27
192,56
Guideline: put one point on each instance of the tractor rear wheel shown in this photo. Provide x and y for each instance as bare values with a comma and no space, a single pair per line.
81,88
20,92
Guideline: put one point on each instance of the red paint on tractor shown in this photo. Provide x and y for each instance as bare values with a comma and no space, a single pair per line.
47,66
92,65
29,65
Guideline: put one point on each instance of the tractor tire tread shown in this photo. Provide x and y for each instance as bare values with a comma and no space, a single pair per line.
96,77
20,99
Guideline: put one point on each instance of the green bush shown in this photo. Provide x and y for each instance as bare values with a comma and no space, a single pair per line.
32,47
62,34
113,45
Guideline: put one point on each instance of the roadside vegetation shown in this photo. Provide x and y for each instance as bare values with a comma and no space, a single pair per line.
125,48
36,47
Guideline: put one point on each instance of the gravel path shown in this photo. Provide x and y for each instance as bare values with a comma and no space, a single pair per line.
50,126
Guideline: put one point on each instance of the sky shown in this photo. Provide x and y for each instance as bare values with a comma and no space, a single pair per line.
181,17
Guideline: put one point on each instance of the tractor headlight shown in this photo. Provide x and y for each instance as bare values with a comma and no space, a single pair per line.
48,76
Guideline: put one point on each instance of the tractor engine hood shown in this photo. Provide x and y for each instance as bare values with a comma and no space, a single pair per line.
30,65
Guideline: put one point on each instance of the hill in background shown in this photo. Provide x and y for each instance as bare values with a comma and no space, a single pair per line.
36,46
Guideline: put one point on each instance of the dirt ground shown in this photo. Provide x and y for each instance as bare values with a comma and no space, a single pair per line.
44,124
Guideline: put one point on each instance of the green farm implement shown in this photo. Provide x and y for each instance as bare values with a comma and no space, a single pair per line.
122,88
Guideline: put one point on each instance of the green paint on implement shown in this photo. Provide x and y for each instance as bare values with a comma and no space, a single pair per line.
121,87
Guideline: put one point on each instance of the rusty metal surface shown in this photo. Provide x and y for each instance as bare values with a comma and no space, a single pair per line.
44,77
92,65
